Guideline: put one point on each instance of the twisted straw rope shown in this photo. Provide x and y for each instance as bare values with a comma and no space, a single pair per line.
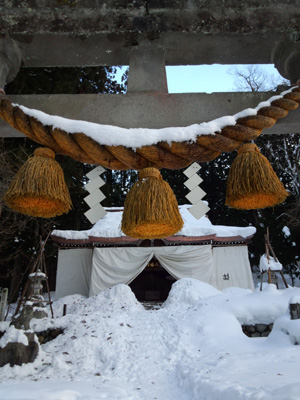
162,155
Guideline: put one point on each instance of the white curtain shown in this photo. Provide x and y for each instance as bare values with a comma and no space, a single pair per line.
112,266
232,268
73,272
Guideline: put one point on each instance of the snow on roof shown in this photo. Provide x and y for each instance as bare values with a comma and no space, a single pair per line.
110,227
137,137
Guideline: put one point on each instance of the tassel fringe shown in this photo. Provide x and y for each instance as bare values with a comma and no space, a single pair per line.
39,188
252,182
151,209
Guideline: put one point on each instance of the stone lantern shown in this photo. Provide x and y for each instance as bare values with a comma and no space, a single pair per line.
37,278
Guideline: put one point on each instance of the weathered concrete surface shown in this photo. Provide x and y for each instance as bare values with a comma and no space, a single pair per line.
10,60
180,49
134,110
81,17
147,70
86,32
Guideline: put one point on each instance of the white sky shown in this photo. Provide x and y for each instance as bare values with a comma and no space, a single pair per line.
206,78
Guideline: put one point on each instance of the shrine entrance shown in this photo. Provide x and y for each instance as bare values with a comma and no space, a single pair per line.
153,284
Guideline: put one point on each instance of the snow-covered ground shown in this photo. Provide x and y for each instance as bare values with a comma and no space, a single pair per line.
192,348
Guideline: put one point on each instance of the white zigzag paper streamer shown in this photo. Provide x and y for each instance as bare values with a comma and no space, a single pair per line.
199,208
95,197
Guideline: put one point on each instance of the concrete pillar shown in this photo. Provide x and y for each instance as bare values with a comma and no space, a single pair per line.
147,72
10,60
286,58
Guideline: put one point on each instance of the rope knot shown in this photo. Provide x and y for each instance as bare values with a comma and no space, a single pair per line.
248,147
149,173
44,152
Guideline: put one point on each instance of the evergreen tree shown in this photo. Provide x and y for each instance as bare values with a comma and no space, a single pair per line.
20,234
67,80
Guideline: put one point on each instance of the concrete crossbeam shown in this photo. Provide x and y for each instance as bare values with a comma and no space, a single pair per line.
181,48
147,17
150,110
85,33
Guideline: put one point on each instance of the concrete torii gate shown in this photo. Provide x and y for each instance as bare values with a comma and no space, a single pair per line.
147,35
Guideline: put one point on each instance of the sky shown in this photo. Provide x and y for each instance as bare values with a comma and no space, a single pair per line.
206,78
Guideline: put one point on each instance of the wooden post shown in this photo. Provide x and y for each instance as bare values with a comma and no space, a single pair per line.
295,310
261,280
272,251
3,302
269,276
283,278
268,254
47,286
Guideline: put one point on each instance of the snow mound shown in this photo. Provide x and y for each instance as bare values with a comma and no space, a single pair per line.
79,390
295,299
74,303
117,298
189,291
236,291
255,307
265,264
190,349
286,331
13,335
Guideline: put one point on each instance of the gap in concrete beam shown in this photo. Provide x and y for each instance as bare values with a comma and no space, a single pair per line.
180,79
69,80
222,78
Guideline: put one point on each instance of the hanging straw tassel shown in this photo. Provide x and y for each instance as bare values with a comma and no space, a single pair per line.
39,188
252,182
151,209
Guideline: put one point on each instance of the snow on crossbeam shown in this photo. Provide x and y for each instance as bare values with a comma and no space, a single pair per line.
119,148
134,138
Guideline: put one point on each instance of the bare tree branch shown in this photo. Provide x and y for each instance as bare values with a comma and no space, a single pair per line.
255,79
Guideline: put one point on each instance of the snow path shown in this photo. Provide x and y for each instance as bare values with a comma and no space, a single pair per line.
192,348
141,349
